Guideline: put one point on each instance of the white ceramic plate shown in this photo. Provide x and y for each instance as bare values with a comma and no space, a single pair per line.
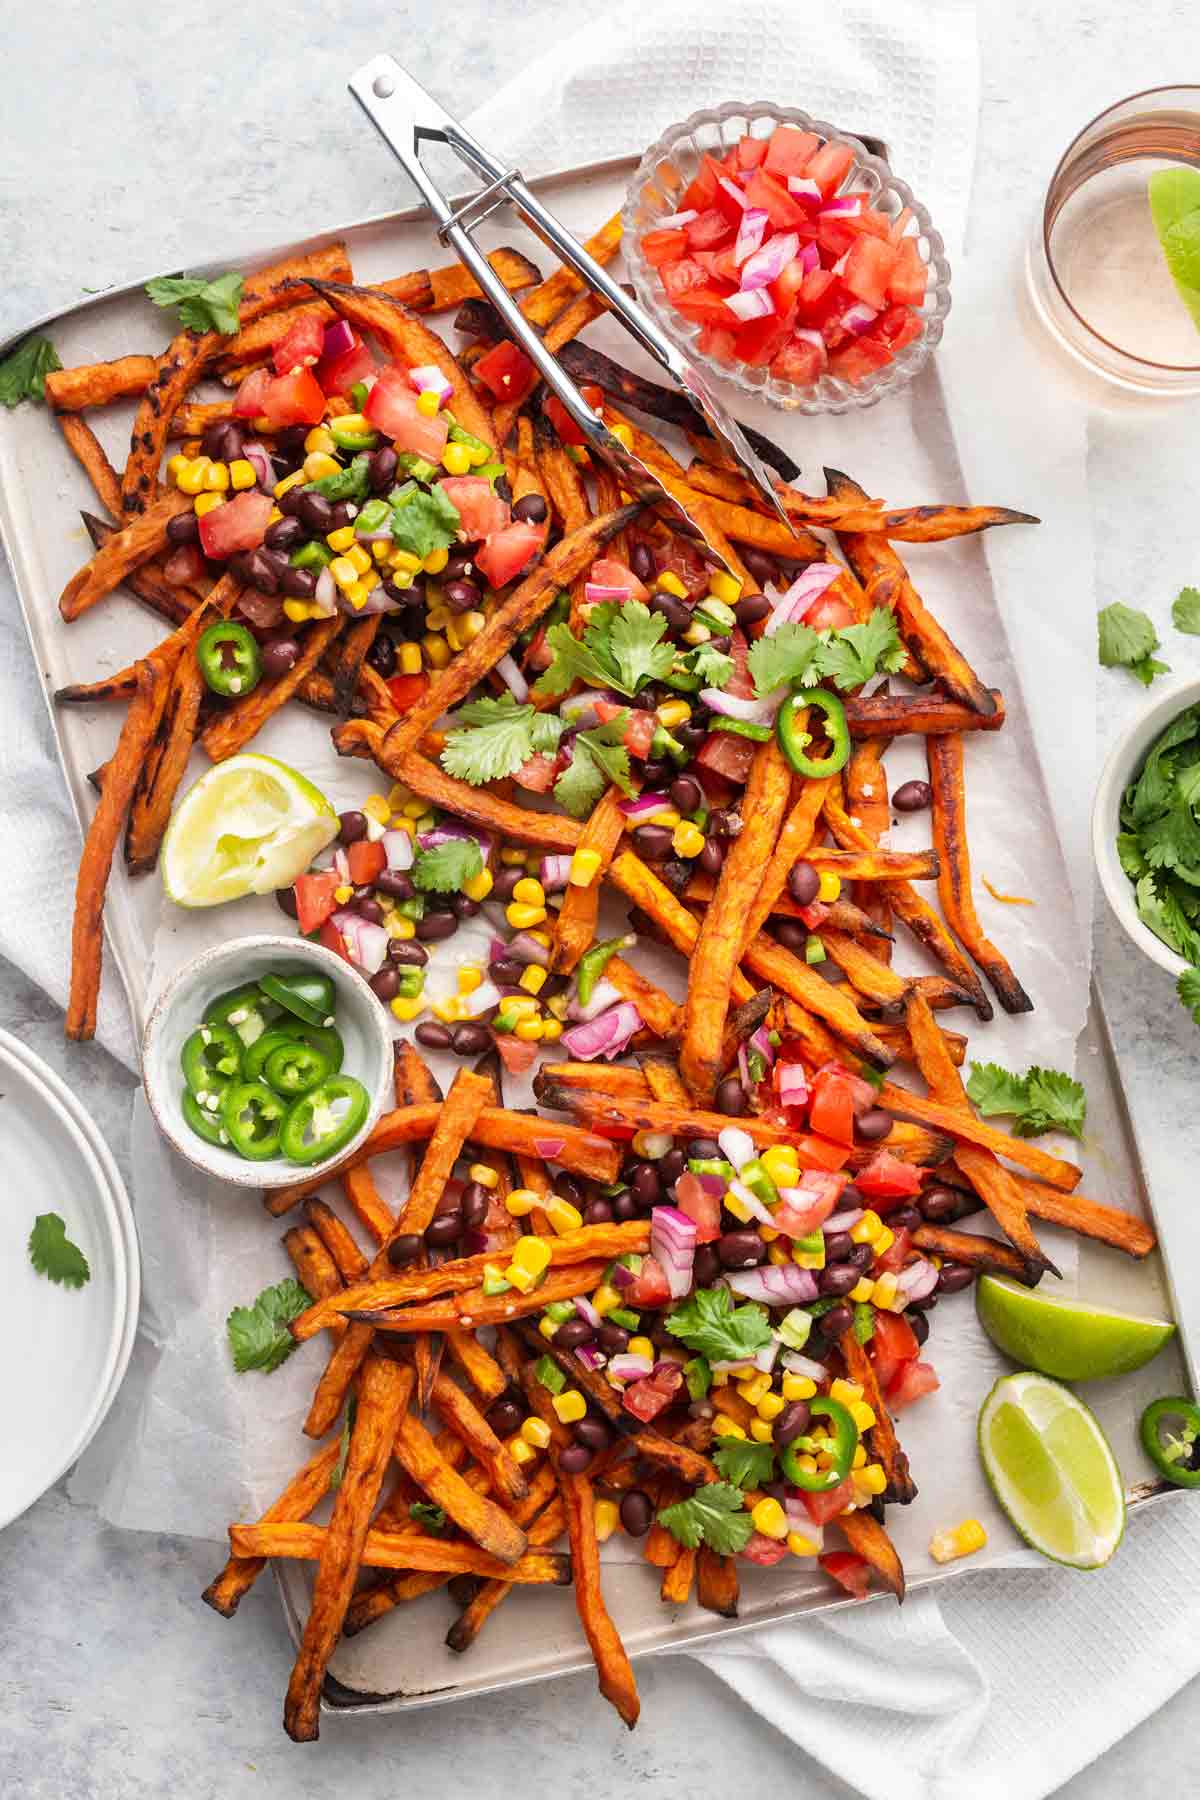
66,1349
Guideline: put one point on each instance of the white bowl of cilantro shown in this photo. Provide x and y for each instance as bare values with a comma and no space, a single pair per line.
1146,832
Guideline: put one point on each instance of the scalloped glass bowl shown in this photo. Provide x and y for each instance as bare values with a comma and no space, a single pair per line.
666,169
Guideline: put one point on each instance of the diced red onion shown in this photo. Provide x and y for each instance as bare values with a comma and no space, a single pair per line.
809,259
769,263
548,1148
750,1200
807,587
325,594
398,848
859,318
513,679
760,1040
733,190
804,190
764,1361
604,995
918,1280
745,305
366,944
579,709
377,601
622,1277
750,233
740,1365
791,1083
848,207
732,706
839,267
606,1035
737,1146
644,803
590,1357
429,380
842,1221
673,1245
339,337
596,593
785,1285
259,457
482,1000
804,336
798,1515
625,1367
803,1365
743,1068
555,873
450,832
525,949
676,221
341,863
586,1310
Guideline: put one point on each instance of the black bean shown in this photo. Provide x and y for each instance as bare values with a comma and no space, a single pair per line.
285,900
612,1339
316,512
290,441
637,1510
432,1036
792,1421
704,1149
792,934
672,610
837,1320
861,1257
463,907
707,1266
742,1249
676,872
764,569
435,926
504,1417
280,656
263,575
874,1124
352,827
385,983
381,655
344,513
445,1230
570,1189
837,1281
276,561
461,596
652,842
712,858
624,1207
656,774
395,884
725,822
912,796
905,1218
919,1326
597,1212
953,1277
838,1245
829,971
505,880
404,1249
285,534
643,1180
690,736
687,796
593,1431
803,883
721,644
381,470
459,564
573,1332
184,528
298,584
462,1589
731,1097
532,510
671,1167
946,1205
502,488
406,953
475,1202
470,1040
642,562
291,504
574,1459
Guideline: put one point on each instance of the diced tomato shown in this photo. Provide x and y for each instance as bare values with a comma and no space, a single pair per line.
896,1254
314,899
869,266
785,289
764,1551
639,730
821,295
859,359
248,401
741,682
709,230
831,1110
800,1221
301,345
789,151
480,511
719,343
913,1381
537,773
750,151
366,860
650,1288
391,405
333,940
406,690
849,1570
561,419
728,755
834,238
823,1507
506,371
861,1090
661,247
685,562
241,524
680,278
517,1056
646,1398
830,167
705,306
869,223
718,792
184,566
821,1153
897,327
507,552
909,275
782,209
294,399
813,915
893,1343
704,1209
886,1177
338,374
759,342
720,264
829,613
608,572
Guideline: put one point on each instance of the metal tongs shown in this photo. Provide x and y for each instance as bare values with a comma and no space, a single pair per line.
406,117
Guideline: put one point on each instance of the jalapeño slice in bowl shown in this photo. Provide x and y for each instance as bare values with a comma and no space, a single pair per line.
302,993
294,1068
323,1122
211,1058
245,1008
254,1118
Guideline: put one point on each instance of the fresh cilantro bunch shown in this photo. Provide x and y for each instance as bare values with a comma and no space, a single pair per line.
54,1255
258,1335
798,656
1040,1100
710,1324
496,737
1128,640
1159,841
448,867
24,370
713,1515
203,305
622,647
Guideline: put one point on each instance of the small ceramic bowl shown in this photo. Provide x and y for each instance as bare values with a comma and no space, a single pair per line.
1124,761
178,1009
654,192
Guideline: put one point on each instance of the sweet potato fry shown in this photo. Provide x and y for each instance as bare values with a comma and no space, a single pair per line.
977,1252
474,1308
303,1493
793,842
717,1583
190,419
600,1078
664,1081
233,729
481,1519
351,648
96,384
364,1199
314,1266
338,1240
545,1530
894,715
884,1444
337,1377
866,1536
641,885
560,477
383,1395
912,524
477,805
126,550
868,800
477,1364
542,305
660,1014
613,1668
945,758
400,1550
968,1130
456,1120
88,451
576,927
1106,1224
771,962
864,971
179,368
464,1418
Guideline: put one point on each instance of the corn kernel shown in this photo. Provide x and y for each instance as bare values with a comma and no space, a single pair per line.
410,659
397,795
529,892
519,1278
528,1030
319,438
736,1206
570,1406
672,713
288,483
456,459
190,480
798,1387
871,1480
669,583
359,556
521,1202
406,1008
438,617
484,1175
536,1432
429,403
824,1460
808,1259
435,562
511,855
867,1229
519,1450
830,888
585,866
343,571
533,1254
552,1030
206,503
534,979
216,478
723,1427
640,1346
687,840
761,1431
470,625
604,1298
297,611
725,587
859,1459
376,807
547,1327
862,1289
437,650
863,1415
781,1164
479,886
341,539
770,1518
754,1387
402,929
696,633
845,1392
274,516
521,1007
884,1241
770,1406
963,1540
343,894
356,593
623,434
379,551
176,463
799,1545
318,464
470,976
809,1464
768,1234
238,475
887,1292
541,937
355,423
449,1011
779,1255
521,917
606,1516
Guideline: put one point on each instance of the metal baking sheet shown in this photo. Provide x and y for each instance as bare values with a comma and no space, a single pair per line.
402,1661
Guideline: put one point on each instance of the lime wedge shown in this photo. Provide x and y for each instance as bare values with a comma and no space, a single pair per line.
1052,1471
249,826
1175,208
1072,1339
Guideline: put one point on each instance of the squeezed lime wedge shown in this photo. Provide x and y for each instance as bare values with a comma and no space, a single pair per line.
250,825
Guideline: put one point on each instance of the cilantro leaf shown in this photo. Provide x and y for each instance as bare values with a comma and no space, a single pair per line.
992,1089
713,1515
1146,668
1128,640
498,737
447,867
1188,989
572,660
203,305
424,521
339,1467
851,656
24,370
712,668
745,1463
430,1516
54,1255
787,657
1040,1100
258,1335
709,1323
1185,613
635,643
599,760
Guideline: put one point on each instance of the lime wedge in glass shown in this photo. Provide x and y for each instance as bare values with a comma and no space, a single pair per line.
1175,209
249,826
1072,1339
1052,1471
